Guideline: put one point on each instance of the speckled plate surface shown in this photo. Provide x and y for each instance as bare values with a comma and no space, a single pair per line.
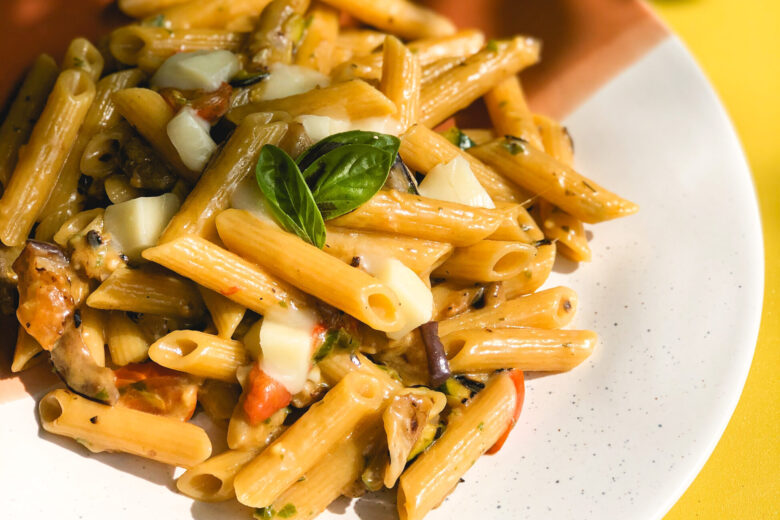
675,293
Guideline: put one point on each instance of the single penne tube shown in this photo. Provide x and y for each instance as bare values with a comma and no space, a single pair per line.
199,354
24,112
114,428
214,14
310,269
82,55
148,47
328,422
118,189
317,48
421,217
556,223
454,298
516,225
354,99
509,112
101,154
327,480
76,224
439,67
93,333
26,352
234,163
126,341
242,435
143,8
226,273
487,261
212,479
225,313
350,246
276,33
65,199
147,290
427,50
458,88
480,135
435,473
422,149
51,140
550,309
524,348
357,42
401,77
399,17
337,365
534,275
556,182
149,114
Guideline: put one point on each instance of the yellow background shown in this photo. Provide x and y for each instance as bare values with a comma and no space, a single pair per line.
737,42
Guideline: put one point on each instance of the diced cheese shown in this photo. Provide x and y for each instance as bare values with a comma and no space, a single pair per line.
205,70
455,182
249,197
289,80
320,127
137,224
415,297
189,134
286,339
382,125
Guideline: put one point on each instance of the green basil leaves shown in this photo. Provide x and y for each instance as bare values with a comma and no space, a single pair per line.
288,195
333,177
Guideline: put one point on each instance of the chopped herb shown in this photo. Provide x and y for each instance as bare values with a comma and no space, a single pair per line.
78,62
264,513
591,188
492,46
303,477
157,21
283,305
335,338
287,511
140,386
481,426
514,145
102,395
458,138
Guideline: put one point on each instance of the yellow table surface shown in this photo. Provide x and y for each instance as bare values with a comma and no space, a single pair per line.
737,42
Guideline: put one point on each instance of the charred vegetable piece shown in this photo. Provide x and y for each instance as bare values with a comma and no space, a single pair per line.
78,369
246,79
46,302
454,388
210,106
143,166
92,251
438,366
401,178
150,388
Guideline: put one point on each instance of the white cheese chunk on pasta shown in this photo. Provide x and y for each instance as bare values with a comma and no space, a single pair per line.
320,127
205,70
415,297
189,134
137,224
455,182
286,338
249,197
289,80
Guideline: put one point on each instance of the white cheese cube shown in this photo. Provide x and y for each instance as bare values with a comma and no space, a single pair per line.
189,134
137,224
289,80
415,297
286,339
455,182
381,125
249,197
320,127
205,70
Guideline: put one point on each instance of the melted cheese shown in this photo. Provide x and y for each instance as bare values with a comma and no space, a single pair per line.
205,70
455,182
189,134
289,80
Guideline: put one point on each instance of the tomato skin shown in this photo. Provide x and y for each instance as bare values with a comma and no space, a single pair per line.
519,380
264,396
151,388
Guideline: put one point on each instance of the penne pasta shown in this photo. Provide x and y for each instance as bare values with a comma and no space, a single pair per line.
225,313
225,273
487,261
93,333
539,350
99,427
212,479
37,170
422,149
320,429
242,435
233,164
147,290
401,77
310,269
463,85
24,111
509,112
199,354
425,484
82,55
276,33
420,217
516,225
399,17
318,45
532,276
550,309
541,174
213,14
126,342
142,8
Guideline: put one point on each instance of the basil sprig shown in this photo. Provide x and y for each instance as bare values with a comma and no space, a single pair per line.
333,177
289,197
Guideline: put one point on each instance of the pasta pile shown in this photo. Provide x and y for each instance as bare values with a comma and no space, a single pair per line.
260,211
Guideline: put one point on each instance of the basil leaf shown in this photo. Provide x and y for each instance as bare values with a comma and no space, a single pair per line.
288,196
345,178
387,143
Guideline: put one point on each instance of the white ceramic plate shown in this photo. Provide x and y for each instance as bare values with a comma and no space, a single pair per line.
675,293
